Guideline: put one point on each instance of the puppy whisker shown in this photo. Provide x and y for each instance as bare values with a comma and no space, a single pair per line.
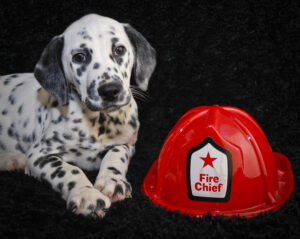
139,94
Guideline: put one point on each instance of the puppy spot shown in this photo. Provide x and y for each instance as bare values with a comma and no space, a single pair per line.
11,99
75,171
120,61
55,103
4,112
114,170
20,110
61,174
42,176
133,122
100,205
101,130
118,190
6,82
56,164
71,185
78,72
60,186
102,118
114,40
87,37
96,66
83,68
105,76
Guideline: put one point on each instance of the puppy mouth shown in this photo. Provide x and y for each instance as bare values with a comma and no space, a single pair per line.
108,107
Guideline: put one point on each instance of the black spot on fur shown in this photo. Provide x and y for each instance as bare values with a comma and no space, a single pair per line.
114,40
115,150
11,99
93,121
133,122
120,61
102,118
75,171
20,110
100,205
72,206
55,103
67,136
83,68
96,65
4,112
61,174
56,164
114,170
105,76
60,186
42,176
56,172
101,130
2,146
87,37
127,186
42,161
76,121
78,72
91,91
71,185
6,82
118,190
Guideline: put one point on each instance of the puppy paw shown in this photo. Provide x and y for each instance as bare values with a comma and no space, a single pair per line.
116,187
88,201
12,161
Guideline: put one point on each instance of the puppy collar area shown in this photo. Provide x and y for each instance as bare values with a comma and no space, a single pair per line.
218,160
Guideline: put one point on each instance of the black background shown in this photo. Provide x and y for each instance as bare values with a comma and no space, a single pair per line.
238,53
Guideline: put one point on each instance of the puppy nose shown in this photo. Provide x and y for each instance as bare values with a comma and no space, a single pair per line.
109,92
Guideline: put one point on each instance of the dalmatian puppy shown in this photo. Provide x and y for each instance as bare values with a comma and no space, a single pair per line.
77,111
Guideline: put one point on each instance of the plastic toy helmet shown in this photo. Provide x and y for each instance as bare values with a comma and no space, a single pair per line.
218,160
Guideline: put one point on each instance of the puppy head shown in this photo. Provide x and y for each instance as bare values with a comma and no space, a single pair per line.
94,57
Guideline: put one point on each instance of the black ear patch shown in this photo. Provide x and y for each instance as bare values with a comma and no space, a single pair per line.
145,57
49,72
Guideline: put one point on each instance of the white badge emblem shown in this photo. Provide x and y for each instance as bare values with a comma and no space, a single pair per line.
209,172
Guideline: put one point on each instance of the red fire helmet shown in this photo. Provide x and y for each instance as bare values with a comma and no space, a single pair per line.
218,160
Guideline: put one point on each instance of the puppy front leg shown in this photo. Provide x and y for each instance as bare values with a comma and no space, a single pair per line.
80,195
111,179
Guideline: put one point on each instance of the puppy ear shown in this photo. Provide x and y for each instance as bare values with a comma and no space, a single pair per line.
49,73
145,57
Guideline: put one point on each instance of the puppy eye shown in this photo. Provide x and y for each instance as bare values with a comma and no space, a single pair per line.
119,51
79,58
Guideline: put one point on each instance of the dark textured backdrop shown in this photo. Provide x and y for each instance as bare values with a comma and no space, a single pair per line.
238,53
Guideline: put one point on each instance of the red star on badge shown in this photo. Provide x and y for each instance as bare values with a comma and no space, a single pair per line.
208,160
